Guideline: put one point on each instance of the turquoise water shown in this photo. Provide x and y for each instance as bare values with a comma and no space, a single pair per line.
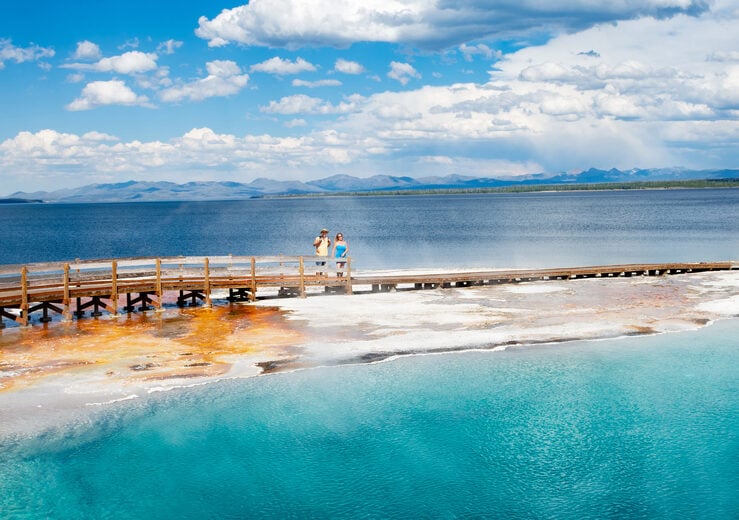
633,428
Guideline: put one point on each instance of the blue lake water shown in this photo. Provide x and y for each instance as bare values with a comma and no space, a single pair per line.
492,230
632,428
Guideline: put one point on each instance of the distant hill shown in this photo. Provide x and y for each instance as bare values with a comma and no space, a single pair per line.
140,191
16,200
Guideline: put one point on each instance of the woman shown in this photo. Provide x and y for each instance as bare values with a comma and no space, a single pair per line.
341,249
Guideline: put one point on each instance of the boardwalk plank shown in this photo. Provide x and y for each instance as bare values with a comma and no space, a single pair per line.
94,278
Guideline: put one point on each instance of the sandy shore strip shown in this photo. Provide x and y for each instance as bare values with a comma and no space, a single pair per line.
52,371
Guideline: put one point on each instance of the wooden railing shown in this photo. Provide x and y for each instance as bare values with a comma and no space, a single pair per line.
54,286
100,284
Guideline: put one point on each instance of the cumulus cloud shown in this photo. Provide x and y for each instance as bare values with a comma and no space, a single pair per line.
645,92
98,136
294,123
422,23
87,50
128,63
75,78
195,152
132,62
224,78
156,80
282,67
724,56
133,43
643,70
645,95
9,52
101,93
402,72
470,51
315,84
302,104
169,47
348,67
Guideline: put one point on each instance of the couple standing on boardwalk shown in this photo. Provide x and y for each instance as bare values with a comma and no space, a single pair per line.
341,248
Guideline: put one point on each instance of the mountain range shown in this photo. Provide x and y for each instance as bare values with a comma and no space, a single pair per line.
140,191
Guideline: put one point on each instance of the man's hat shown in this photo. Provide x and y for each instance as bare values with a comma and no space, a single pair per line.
324,230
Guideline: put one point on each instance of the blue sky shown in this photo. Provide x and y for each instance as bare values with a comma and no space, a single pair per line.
182,90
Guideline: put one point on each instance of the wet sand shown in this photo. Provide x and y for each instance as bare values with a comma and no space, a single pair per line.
50,370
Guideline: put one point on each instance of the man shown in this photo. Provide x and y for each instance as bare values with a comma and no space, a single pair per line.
322,243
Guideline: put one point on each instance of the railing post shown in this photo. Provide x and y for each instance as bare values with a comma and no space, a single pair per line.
302,278
253,296
114,288
207,283
67,300
159,284
23,318
349,289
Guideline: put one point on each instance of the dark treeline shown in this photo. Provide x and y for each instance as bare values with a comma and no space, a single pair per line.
13,200
639,185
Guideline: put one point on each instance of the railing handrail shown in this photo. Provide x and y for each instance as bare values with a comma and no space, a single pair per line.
38,268
44,286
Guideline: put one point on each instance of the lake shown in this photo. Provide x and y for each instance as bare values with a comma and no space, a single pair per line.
634,427
490,230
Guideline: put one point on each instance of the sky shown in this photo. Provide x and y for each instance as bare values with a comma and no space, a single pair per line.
180,90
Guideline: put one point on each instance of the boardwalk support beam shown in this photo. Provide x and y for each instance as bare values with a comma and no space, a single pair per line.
207,284
45,307
96,302
23,317
144,298
193,296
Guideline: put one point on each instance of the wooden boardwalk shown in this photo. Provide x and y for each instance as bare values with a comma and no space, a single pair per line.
125,285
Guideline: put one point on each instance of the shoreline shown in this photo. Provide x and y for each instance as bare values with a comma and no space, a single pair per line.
71,415
186,348
715,183
542,188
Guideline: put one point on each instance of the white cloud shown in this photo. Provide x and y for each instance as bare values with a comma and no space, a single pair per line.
648,92
205,138
192,155
302,104
402,72
348,67
156,80
132,62
224,79
133,43
294,123
422,23
87,50
9,52
101,93
282,67
99,136
549,72
724,56
561,106
469,51
169,47
75,78
619,106
315,84
128,63
37,149
643,70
